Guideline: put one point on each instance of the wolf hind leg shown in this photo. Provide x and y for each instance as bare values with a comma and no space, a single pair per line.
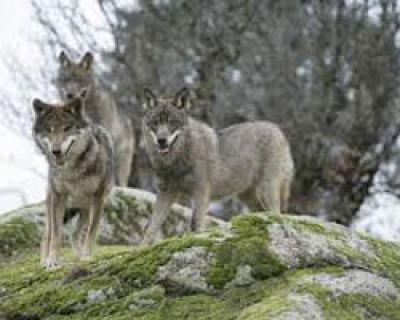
125,154
200,210
96,210
80,232
253,204
285,194
268,195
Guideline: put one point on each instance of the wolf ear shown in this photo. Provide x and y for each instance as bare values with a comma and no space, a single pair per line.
182,99
87,61
63,59
75,106
39,106
150,99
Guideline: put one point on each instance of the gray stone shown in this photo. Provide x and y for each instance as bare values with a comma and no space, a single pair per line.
357,281
304,307
303,248
185,271
243,276
126,216
96,296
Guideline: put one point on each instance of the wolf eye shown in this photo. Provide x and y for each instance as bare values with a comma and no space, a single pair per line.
152,124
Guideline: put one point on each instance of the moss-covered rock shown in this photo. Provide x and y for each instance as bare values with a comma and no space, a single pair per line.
261,266
126,215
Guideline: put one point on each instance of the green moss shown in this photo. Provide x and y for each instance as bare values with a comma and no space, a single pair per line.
17,234
126,278
31,289
142,263
269,308
248,246
389,258
34,292
351,306
319,228
275,299
251,225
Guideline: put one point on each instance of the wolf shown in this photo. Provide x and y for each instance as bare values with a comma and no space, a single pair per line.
100,107
251,161
81,173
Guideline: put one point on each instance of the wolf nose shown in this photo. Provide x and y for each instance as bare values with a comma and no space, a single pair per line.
162,142
70,96
56,152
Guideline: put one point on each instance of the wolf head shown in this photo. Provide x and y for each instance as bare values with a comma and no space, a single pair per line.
57,128
165,119
72,76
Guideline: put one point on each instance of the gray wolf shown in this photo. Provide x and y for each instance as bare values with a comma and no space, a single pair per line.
100,107
81,173
251,160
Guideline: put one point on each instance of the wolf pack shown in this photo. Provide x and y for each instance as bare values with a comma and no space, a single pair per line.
89,145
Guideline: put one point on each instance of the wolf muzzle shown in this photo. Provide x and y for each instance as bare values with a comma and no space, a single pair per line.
165,143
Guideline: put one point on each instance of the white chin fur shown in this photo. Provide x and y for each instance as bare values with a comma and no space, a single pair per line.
173,136
45,142
153,135
66,144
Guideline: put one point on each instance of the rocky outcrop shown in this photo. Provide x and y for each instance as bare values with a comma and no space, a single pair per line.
260,266
126,215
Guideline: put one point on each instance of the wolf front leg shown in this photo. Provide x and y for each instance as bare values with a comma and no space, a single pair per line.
96,210
53,231
160,211
201,203
125,155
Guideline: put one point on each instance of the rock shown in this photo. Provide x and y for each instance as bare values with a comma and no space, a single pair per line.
304,307
147,298
261,266
308,243
185,272
126,215
96,296
243,276
357,281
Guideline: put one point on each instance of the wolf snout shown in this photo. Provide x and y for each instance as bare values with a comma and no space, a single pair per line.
69,96
56,152
162,142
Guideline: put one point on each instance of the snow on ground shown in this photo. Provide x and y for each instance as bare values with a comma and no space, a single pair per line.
22,171
380,216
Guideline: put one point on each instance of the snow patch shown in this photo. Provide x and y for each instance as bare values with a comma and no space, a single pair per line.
23,171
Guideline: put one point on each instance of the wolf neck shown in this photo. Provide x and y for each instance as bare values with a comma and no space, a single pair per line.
97,106
179,162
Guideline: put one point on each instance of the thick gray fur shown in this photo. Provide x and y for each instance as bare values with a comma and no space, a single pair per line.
100,107
81,173
251,161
